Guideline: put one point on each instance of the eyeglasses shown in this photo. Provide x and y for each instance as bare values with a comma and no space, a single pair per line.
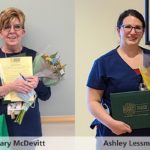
16,27
128,28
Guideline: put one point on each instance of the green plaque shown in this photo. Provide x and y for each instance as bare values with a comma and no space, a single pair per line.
132,108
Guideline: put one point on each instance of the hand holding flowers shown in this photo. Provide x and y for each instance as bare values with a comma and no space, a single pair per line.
47,68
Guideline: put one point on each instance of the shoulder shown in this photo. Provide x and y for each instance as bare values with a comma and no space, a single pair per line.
107,57
29,52
145,51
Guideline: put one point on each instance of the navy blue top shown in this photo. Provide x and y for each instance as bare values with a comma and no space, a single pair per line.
31,125
112,74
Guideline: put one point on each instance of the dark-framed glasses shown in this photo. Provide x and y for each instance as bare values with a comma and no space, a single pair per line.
137,28
16,27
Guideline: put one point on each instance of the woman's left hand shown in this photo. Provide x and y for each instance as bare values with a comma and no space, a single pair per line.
33,81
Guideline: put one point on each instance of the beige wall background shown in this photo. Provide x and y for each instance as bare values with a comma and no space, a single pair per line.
95,35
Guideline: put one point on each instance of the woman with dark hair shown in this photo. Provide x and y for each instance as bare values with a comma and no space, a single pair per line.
117,71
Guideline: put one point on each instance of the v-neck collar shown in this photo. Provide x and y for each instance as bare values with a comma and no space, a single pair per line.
124,63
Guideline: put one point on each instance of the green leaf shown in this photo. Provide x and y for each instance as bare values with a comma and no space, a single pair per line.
53,55
20,117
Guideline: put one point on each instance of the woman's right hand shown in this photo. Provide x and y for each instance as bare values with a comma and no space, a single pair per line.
93,99
21,86
119,127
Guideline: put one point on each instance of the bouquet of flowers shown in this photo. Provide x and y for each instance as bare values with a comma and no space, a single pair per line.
50,70
145,71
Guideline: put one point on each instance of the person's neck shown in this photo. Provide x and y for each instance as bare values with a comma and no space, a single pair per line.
7,49
130,51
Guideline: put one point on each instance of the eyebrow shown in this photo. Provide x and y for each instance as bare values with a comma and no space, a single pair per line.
132,25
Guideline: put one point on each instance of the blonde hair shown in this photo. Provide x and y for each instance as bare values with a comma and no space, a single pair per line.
7,15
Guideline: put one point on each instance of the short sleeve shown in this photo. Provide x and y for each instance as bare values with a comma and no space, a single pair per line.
97,77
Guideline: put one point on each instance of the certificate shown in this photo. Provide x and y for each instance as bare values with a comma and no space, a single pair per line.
10,70
132,108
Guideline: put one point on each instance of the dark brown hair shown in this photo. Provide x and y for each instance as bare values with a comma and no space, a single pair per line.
130,12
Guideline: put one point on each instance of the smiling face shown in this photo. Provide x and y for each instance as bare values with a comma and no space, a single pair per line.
12,29
132,36
12,34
